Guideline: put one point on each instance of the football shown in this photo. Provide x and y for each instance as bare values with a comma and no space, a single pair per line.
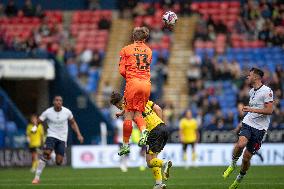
170,18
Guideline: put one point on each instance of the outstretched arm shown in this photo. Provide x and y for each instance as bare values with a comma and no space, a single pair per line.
76,129
267,110
158,110
122,69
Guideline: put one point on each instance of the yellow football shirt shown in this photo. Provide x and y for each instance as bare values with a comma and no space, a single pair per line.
151,118
188,128
35,137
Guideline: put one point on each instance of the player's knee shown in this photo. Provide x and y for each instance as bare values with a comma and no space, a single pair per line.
246,158
241,144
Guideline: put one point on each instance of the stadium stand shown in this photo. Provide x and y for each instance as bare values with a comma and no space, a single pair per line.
227,48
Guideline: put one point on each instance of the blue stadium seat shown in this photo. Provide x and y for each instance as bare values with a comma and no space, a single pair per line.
2,138
72,69
11,127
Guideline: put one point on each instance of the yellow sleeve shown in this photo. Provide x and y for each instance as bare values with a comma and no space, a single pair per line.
28,130
150,104
181,124
41,130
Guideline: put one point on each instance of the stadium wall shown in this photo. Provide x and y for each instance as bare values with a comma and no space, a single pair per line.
208,155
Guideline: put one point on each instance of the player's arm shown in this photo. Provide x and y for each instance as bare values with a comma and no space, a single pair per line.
28,132
158,110
42,135
117,115
181,136
122,69
267,110
238,128
76,129
197,136
268,105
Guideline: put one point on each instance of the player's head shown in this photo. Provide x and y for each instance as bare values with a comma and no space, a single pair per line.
57,102
255,75
188,114
116,99
33,119
140,34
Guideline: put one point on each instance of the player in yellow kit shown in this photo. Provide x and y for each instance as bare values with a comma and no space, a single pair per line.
188,130
35,140
157,139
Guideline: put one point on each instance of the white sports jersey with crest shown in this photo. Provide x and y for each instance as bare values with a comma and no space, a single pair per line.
257,100
57,122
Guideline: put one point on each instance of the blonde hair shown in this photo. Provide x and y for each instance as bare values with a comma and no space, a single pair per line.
140,33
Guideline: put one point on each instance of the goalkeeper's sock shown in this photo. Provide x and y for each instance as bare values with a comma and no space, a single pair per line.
140,122
157,173
127,130
41,166
155,162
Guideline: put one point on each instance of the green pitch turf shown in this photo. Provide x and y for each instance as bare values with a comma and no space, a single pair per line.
271,177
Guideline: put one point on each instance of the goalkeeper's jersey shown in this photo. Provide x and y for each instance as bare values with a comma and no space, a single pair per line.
151,118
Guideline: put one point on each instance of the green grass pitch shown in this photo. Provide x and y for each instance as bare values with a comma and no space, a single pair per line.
265,177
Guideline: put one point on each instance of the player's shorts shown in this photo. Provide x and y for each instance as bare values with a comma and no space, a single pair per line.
184,145
33,149
55,144
136,94
157,139
255,137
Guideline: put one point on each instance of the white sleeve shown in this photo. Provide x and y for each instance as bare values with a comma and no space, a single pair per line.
268,96
43,116
70,115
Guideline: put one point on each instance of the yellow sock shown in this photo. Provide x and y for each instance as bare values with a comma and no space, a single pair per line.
184,156
156,162
157,173
34,164
193,156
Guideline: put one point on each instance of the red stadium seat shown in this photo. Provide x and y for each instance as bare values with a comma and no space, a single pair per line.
234,4
204,5
194,6
224,5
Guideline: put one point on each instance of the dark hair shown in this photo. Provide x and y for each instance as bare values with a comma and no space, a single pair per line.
57,96
140,33
257,71
115,98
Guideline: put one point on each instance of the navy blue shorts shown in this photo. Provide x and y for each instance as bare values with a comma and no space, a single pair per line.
254,136
55,144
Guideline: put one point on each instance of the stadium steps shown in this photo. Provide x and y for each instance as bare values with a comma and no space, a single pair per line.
176,91
67,18
119,37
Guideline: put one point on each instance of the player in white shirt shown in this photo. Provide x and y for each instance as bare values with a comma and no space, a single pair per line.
57,118
254,125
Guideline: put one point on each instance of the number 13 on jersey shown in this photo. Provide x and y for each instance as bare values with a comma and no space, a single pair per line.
142,61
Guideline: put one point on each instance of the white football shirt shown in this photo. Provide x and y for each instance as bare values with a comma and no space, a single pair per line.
57,122
257,100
